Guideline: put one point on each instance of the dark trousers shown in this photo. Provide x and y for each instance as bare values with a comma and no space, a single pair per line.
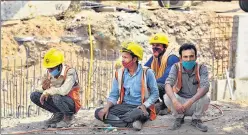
55,103
161,88
126,114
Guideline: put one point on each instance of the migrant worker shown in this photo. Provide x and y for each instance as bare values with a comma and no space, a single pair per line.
161,62
59,91
130,102
186,88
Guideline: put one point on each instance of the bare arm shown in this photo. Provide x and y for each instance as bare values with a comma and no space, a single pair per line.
170,82
200,93
108,105
170,93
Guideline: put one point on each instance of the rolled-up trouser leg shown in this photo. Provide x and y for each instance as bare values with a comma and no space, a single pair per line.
64,103
112,118
48,105
133,115
126,114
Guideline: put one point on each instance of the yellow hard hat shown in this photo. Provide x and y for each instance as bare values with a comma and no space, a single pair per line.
159,38
134,48
53,58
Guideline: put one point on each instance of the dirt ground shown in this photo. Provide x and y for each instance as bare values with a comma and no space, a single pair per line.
233,120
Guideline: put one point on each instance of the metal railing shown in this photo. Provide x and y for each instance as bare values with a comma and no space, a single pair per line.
19,79
20,76
216,49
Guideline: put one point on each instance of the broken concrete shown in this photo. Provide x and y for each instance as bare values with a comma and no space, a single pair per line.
12,10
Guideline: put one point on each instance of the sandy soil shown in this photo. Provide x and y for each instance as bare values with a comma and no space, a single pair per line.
233,120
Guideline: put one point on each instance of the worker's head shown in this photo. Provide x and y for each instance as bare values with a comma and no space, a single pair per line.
159,44
188,55
53,60
131,54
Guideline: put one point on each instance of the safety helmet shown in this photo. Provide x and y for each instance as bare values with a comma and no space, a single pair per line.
134,48
53,58
159,38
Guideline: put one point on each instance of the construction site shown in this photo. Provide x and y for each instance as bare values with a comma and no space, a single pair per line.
90,35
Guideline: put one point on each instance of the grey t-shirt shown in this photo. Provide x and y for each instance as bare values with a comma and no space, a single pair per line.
189,82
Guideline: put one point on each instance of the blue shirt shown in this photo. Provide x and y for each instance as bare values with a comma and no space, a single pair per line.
132,87
172,59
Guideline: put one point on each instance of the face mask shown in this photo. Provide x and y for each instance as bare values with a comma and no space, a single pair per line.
188,65
127,65
55,72
157,50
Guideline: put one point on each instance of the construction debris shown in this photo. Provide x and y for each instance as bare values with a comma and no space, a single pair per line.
111,25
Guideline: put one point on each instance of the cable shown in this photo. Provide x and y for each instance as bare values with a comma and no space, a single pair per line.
222,114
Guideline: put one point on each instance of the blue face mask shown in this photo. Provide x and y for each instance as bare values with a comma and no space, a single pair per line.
188,65
55,72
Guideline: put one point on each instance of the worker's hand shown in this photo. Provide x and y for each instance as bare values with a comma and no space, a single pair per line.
118,64
103,112
43,98
179,107
143,108
188,104
46,84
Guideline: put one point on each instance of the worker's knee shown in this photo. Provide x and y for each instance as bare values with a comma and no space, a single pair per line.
35,96
57,99
138,112
131,116
203,102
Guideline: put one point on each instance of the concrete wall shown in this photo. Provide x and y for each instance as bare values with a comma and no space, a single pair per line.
242,47
221,92
12,10
241,91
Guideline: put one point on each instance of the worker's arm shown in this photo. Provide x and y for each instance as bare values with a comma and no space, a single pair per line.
149,62
170,82
66,87
204,84
112,100
114,94
152,84
172,59
39,87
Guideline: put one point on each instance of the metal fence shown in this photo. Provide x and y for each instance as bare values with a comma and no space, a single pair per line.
222,42
216,49
20,76
18,80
